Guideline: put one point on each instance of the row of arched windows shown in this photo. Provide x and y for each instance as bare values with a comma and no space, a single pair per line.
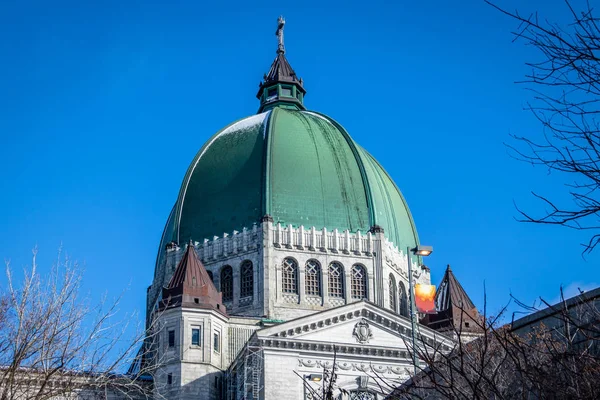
312,279
398,304
246,281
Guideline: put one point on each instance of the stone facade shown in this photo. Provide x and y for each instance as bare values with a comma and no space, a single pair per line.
267,245
201,371
371,353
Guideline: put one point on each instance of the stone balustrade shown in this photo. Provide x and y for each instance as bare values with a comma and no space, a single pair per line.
323,240
228,244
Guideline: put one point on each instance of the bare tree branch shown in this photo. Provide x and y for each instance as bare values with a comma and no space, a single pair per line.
565,84
54,343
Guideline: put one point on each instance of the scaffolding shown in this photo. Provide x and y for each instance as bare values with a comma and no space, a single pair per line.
245,376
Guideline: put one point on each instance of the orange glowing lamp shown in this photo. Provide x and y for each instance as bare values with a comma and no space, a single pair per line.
425,298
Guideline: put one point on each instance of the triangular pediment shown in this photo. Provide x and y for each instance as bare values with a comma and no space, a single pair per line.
361,323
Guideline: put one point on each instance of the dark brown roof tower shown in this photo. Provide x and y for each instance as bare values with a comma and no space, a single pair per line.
190,285
281,86
456,311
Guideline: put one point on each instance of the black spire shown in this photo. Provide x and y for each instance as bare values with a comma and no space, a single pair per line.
281,86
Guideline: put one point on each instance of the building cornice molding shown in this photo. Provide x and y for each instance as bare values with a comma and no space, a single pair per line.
361,310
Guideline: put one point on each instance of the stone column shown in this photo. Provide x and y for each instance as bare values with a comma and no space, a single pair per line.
325,284
300,282
236,285
378,292
266,282
348,283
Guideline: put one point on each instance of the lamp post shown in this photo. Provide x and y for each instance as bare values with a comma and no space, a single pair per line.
423,251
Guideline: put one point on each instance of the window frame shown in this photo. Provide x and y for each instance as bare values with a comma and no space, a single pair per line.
246,279
339,287
171,338
199,337
287,87
392,289
359,292
216,342
312,279
226,276
289,276
403,306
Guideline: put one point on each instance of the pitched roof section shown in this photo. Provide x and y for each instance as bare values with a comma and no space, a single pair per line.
455,310
282,71
451,293
190,285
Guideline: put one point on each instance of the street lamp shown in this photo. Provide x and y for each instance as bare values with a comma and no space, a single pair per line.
310,378
423,251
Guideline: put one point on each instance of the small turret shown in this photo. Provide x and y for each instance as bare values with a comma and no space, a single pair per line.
281,86
190,285
192,325
455,310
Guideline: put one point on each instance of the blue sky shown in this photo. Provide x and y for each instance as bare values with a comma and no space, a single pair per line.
104,105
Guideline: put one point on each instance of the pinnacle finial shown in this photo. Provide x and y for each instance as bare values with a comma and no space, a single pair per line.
279,34
448,268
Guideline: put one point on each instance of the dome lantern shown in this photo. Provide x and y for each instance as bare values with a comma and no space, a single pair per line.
281,86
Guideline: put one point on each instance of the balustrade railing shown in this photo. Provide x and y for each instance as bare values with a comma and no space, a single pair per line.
322,239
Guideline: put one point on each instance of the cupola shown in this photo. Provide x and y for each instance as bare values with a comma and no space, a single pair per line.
281,86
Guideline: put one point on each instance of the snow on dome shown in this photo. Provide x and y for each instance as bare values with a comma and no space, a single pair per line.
317,115
246,123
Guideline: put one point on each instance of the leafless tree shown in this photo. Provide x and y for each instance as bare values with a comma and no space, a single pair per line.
565,84
556,358
54,344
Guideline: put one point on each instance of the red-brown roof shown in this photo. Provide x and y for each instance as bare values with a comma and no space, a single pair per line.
190,285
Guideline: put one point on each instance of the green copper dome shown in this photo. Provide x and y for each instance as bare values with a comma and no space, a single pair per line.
299,167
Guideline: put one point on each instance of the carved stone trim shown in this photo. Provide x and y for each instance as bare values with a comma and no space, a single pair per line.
365,367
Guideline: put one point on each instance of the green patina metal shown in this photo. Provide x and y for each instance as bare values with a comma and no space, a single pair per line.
390,209
314,180
272,321
222,188
302,168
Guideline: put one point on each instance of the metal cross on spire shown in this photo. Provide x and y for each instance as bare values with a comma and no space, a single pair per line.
279,33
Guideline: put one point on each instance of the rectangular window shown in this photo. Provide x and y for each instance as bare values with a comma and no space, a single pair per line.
195,336
271,93
169,379
171,338
286,91
216,342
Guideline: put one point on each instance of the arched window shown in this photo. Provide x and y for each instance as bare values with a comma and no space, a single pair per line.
392,290
312,278
403,300
358,285
246,279
210,275
289,282
336,280
227,283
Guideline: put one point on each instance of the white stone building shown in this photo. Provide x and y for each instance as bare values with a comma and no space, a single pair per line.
255,292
